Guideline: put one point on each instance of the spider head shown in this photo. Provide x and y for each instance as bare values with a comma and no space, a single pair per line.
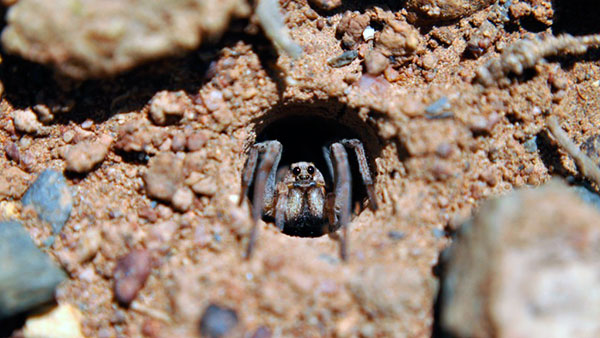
305,174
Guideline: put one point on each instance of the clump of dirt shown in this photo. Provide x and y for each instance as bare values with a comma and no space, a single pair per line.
439,143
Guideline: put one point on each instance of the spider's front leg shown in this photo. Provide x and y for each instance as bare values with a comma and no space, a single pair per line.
337,161
363,167
264,184
343,193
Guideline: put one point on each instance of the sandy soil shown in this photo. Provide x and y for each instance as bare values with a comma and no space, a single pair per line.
433,167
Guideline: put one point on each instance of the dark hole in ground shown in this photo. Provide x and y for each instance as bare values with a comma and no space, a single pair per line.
303,130
577,17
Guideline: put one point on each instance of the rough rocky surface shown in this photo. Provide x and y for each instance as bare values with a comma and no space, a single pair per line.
94,38
28,277
51,198
438,143
527,265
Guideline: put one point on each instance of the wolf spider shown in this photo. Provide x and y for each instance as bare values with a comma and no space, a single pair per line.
297,200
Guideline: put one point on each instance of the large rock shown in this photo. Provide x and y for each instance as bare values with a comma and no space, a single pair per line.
51,198
27,275
527,266
97,38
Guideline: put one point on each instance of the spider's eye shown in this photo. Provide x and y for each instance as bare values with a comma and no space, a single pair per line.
311,170
296,171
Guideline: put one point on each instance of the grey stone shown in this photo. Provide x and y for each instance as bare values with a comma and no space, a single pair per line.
438,106
28,276
51,198
217,321
531,145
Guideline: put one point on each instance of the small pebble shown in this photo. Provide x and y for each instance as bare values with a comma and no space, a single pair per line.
12,152
368,33
87,124
183,198
51,198
196,141
43,112
85,155
444,150
310,13
25,121
130,275
429,61
396,235
558,81
205,186
217,321
481,124
178,142
320,23
168,106
151,328
165,173
148,213
326,4
531,145
391,74
262,332
438,106
343,59
68,136
375,62
438,233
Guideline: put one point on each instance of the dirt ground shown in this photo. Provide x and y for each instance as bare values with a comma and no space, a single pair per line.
176,132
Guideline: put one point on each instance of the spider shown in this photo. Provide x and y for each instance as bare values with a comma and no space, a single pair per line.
296,198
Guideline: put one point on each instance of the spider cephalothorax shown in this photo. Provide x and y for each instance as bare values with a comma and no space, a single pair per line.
298,201
301,201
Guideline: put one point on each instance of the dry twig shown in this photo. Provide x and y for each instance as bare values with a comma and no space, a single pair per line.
584,163
271,20
525,54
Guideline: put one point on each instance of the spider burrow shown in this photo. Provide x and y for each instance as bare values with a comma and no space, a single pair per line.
296,198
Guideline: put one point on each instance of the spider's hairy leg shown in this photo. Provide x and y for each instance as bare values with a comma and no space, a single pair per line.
281,205
343,193
248,173
264,185
327,156
363,167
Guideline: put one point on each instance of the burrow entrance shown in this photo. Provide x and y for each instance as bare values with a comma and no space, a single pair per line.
304,129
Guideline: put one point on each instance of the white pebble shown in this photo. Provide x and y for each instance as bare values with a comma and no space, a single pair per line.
368,33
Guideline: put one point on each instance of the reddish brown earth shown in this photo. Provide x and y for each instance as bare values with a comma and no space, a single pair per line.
172,138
